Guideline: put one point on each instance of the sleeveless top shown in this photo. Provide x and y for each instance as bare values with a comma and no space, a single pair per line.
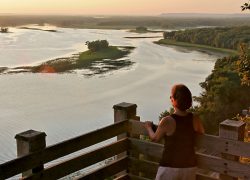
179,147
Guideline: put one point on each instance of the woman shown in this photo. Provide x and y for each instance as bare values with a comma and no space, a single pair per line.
179,129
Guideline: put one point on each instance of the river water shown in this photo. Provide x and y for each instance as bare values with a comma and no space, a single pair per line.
70,104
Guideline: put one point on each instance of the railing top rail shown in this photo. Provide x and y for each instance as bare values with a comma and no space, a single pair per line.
21,164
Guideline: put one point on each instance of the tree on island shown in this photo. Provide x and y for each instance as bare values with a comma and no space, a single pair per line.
4,30
97,45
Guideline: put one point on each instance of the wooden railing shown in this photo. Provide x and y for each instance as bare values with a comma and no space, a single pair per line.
219,150
133,155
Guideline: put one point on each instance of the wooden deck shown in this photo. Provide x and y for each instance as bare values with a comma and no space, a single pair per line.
133,157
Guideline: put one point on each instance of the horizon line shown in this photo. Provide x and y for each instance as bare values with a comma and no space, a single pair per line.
161,14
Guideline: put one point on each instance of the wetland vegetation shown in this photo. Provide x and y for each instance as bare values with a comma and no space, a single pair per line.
100,58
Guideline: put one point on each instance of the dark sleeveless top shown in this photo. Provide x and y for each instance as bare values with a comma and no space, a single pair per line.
179,147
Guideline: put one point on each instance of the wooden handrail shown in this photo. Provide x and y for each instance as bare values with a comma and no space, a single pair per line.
82,161
61,149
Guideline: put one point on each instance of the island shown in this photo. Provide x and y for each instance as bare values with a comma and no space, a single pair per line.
99,58
142,29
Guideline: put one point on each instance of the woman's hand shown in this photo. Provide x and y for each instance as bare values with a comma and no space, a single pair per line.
148,124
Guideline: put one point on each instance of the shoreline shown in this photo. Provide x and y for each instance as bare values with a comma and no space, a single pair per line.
39,29
196,46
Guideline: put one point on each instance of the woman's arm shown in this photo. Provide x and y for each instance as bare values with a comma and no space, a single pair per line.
198,127
164,127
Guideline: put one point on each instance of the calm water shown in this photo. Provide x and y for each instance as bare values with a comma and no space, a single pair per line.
66,105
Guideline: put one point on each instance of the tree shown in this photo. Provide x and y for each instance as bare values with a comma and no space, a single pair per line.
97,45
244,65
223,96
4,30
245,6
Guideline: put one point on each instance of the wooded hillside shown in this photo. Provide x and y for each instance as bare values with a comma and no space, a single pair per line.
221,37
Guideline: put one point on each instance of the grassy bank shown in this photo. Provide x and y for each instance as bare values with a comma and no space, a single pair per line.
111,52
196,46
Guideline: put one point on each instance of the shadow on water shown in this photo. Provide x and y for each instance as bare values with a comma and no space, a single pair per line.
106,66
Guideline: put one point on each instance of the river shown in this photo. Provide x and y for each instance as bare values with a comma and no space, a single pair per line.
70,104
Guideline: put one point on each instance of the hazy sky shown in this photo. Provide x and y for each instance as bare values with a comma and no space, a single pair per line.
123,7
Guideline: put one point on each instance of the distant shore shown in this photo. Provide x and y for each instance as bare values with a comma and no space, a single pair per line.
39,29
164,21
196,46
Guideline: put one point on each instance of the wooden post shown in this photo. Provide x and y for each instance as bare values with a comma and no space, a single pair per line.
124,111
232,130
27,142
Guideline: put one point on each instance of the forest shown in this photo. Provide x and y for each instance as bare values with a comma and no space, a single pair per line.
225,91
220,37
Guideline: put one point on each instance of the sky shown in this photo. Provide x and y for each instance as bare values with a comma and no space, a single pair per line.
119,7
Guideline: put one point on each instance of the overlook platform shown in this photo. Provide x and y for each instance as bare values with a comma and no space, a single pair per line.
128,154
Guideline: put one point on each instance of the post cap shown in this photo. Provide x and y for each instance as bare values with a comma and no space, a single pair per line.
124,106
30,135
232,123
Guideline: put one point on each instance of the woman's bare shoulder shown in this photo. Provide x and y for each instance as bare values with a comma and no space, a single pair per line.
167,120
168,123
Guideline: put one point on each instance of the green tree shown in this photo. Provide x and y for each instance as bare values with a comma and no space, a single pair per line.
245,6
244,65
223,96
4,30
97,45
223,37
